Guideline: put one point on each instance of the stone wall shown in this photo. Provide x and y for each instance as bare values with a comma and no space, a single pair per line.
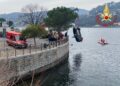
40,61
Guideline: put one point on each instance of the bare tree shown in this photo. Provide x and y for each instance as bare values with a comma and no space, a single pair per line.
33,14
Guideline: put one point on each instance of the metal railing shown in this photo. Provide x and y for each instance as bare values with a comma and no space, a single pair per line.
12,52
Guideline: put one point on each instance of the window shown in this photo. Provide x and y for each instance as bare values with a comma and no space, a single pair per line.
12,38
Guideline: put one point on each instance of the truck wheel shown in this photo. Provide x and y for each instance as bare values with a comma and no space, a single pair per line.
15,46
25,46
8,44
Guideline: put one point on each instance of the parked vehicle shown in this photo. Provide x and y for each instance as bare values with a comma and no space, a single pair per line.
15,39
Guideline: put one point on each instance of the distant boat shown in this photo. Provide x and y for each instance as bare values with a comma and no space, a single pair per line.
103,43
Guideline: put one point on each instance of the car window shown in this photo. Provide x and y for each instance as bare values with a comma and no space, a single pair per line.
17,38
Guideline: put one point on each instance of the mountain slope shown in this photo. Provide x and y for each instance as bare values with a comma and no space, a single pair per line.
90,20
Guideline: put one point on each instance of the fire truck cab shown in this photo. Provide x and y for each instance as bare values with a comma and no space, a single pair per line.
15,39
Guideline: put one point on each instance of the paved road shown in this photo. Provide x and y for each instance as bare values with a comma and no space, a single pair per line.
3,43
11,51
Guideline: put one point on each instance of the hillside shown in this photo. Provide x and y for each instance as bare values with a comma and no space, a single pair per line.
91,18
12,16
15,16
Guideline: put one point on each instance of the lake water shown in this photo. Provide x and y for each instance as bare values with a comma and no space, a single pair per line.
89,64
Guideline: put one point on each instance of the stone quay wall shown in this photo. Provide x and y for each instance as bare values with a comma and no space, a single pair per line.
25,65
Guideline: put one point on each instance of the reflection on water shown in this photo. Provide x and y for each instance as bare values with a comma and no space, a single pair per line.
77,62
58,76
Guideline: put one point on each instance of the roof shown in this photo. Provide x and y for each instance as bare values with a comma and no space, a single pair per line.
13,32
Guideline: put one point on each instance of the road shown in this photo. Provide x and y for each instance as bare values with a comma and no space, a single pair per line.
8,51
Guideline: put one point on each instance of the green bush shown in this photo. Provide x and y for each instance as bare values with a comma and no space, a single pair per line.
34,31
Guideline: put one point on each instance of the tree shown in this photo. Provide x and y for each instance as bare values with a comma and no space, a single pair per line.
33,31
1,21
60,18
10,23
32,14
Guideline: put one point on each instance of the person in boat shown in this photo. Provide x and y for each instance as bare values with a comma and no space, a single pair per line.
102,41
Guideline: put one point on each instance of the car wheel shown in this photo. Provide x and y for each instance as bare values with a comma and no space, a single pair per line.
26,46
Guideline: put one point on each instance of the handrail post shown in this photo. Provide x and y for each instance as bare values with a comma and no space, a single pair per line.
56,43
15,52
0,53
7,52
53,43
49,45
36,48
41,46
30,49
59,42
23,51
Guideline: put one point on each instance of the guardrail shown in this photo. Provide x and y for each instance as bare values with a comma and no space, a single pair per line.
12,52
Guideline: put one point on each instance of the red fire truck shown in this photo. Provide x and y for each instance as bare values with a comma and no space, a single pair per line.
15,39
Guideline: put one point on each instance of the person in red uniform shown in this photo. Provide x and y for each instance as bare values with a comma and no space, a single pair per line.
102,40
